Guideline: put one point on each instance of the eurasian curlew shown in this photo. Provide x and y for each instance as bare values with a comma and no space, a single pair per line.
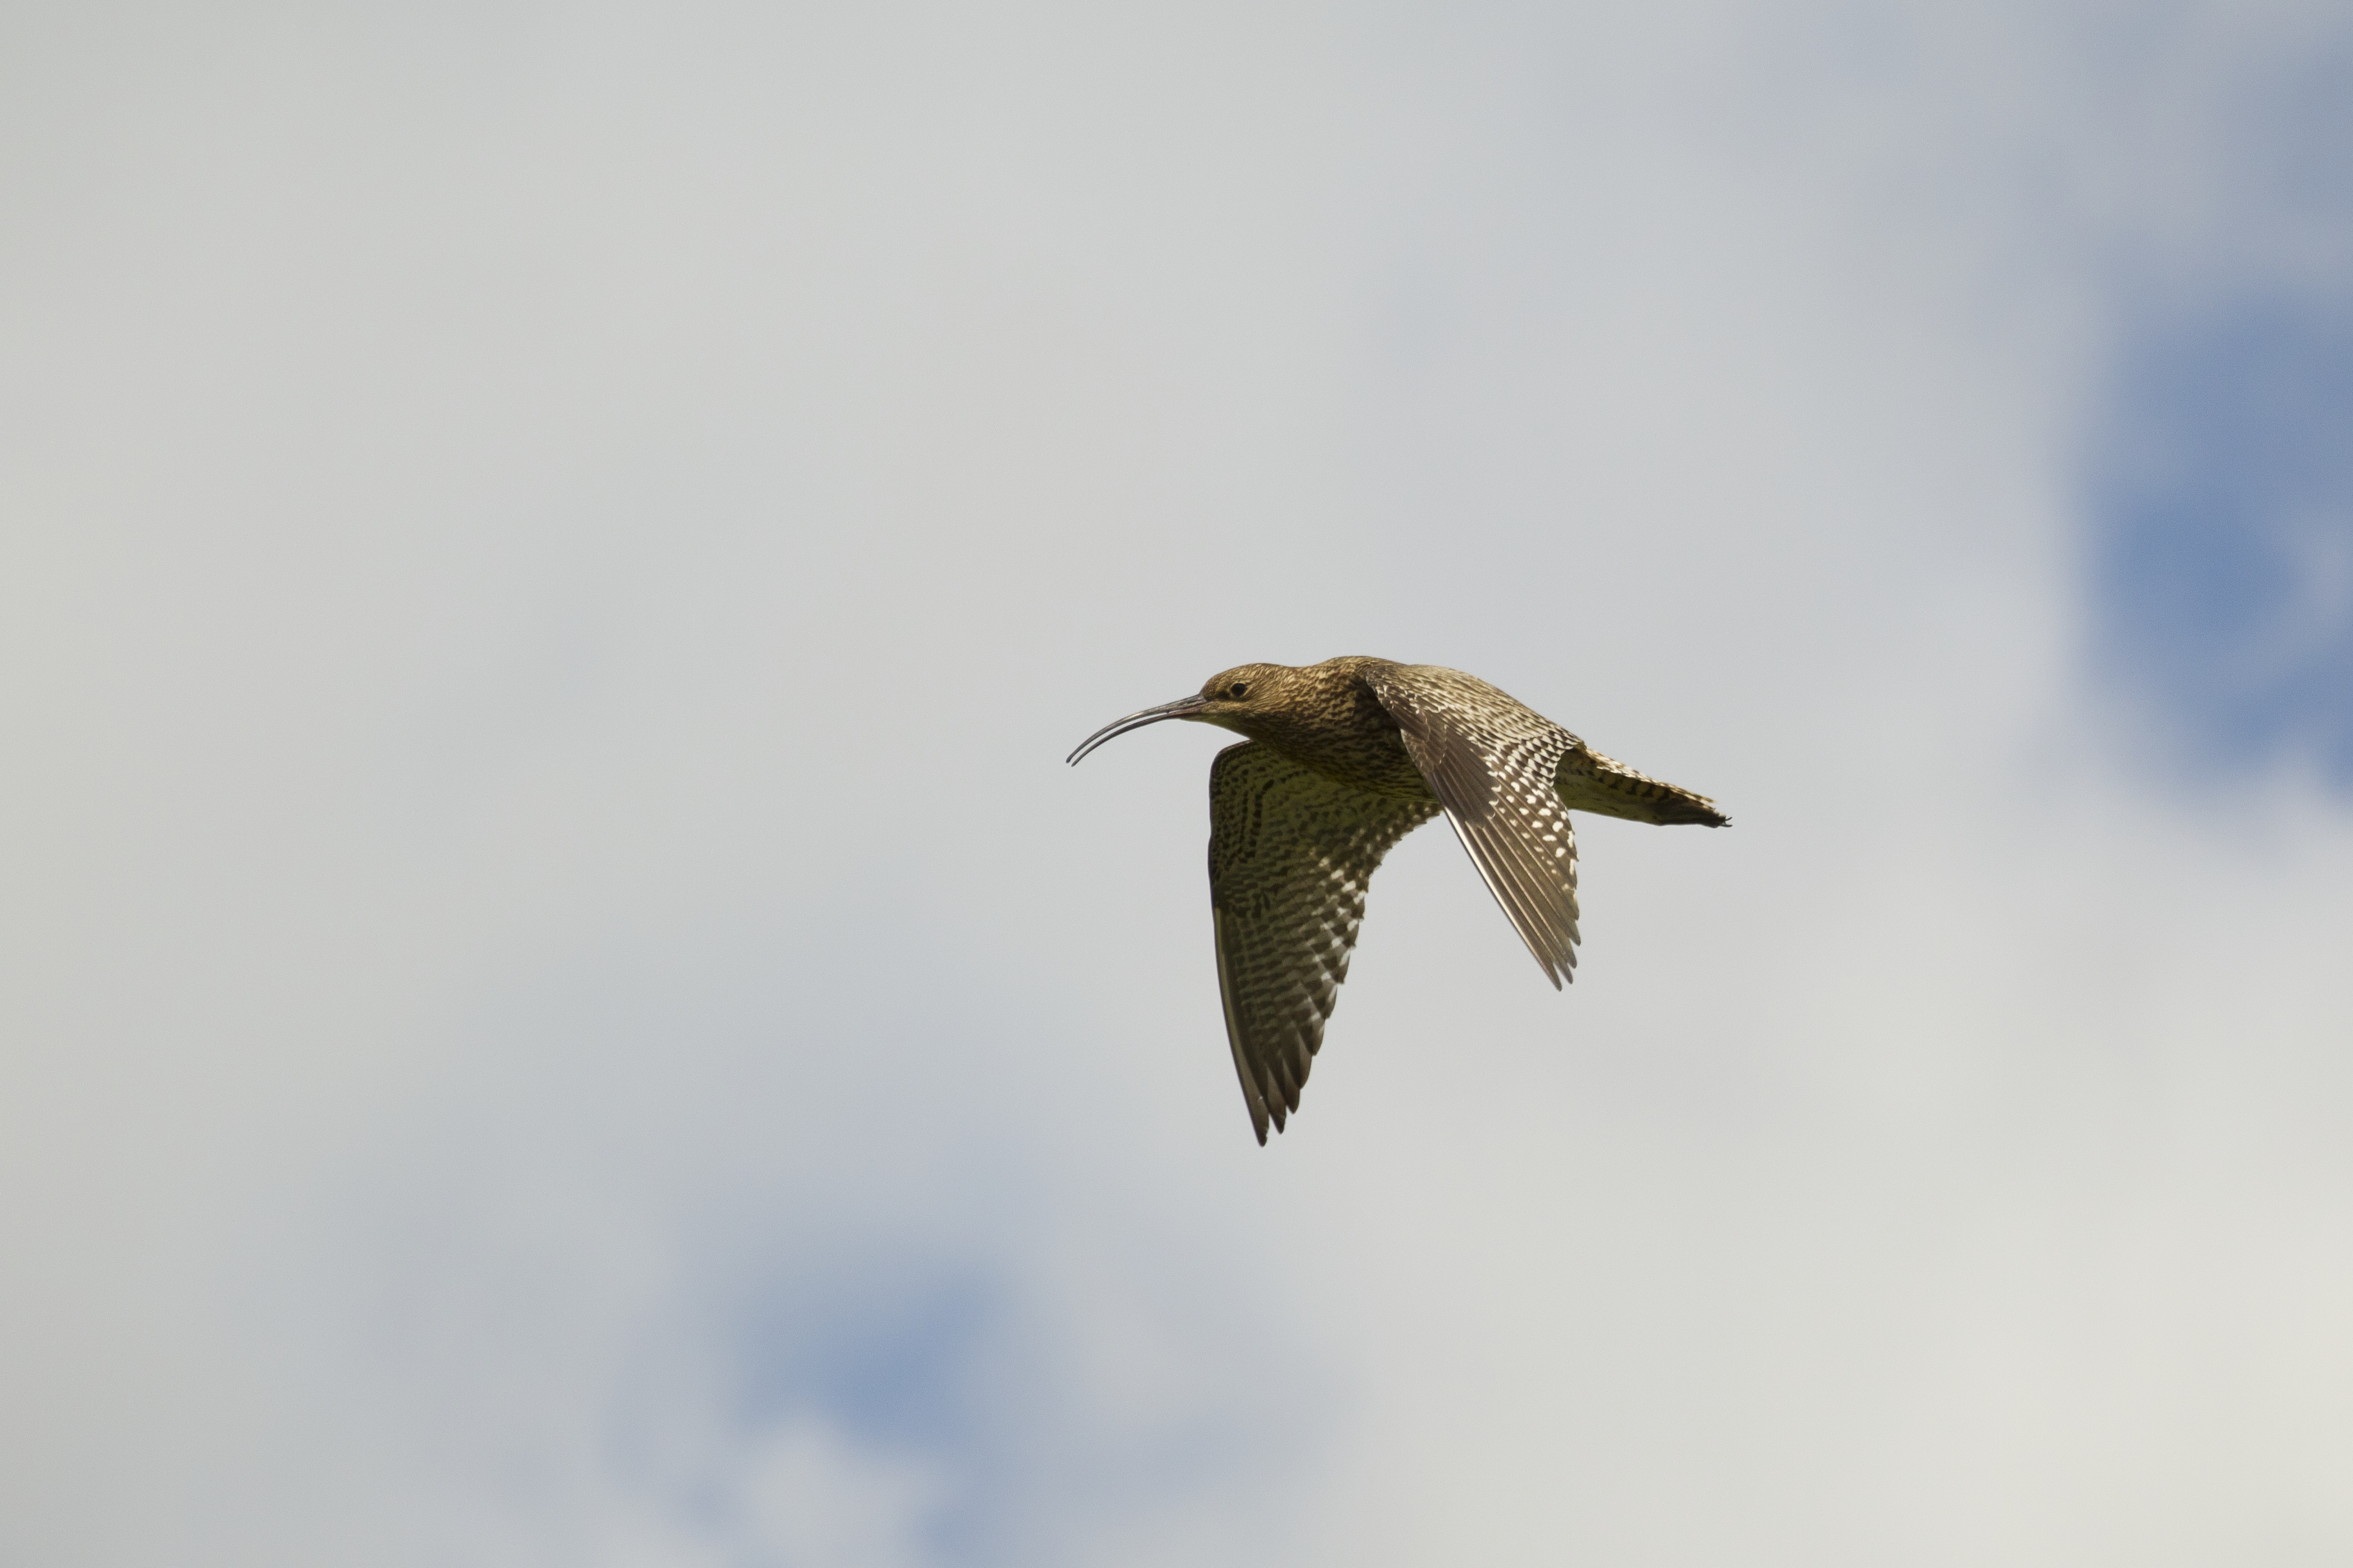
1342,759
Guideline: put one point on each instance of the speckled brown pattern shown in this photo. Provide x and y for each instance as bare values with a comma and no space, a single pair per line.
1345,758
1290,855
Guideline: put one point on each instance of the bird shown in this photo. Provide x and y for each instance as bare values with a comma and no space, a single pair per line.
1338,761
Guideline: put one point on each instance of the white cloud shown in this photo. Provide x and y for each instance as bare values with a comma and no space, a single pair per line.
552,559
818,1500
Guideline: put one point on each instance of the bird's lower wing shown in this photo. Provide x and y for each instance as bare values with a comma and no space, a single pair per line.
1291,855
1491,761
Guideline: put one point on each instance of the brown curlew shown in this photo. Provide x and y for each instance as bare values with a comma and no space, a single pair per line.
1342,759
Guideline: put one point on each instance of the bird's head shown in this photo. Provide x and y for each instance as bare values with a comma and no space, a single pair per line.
1248,691
1239,700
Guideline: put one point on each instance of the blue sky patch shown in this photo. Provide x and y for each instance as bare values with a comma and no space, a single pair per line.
2223,515
892,1363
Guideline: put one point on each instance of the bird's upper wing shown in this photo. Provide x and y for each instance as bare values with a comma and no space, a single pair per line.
1291,854
1492,763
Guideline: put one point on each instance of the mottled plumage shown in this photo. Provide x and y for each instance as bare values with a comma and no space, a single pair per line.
1344,759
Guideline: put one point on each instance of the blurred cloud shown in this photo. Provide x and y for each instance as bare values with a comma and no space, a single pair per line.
2226,545
559,1005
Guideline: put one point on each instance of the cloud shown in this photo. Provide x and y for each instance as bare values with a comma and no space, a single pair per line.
563,1008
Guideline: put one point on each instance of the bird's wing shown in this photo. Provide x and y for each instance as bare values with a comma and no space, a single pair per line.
1291,854
1492,761
1588,781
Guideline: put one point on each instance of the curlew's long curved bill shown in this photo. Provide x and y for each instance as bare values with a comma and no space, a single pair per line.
1184,706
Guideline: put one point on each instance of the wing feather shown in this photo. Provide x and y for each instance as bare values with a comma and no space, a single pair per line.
1492,763
1292,853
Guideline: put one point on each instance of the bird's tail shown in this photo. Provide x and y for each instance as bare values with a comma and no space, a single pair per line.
1588,781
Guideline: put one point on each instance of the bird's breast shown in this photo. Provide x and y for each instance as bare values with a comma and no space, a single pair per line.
1369,758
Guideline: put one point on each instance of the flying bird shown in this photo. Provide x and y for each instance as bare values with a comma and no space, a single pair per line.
1342,759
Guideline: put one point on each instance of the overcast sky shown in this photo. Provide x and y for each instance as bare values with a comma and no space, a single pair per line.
558,1005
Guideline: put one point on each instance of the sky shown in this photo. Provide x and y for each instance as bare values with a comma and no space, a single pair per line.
559,1005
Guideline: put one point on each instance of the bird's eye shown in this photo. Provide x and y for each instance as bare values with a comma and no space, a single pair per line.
1238,688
